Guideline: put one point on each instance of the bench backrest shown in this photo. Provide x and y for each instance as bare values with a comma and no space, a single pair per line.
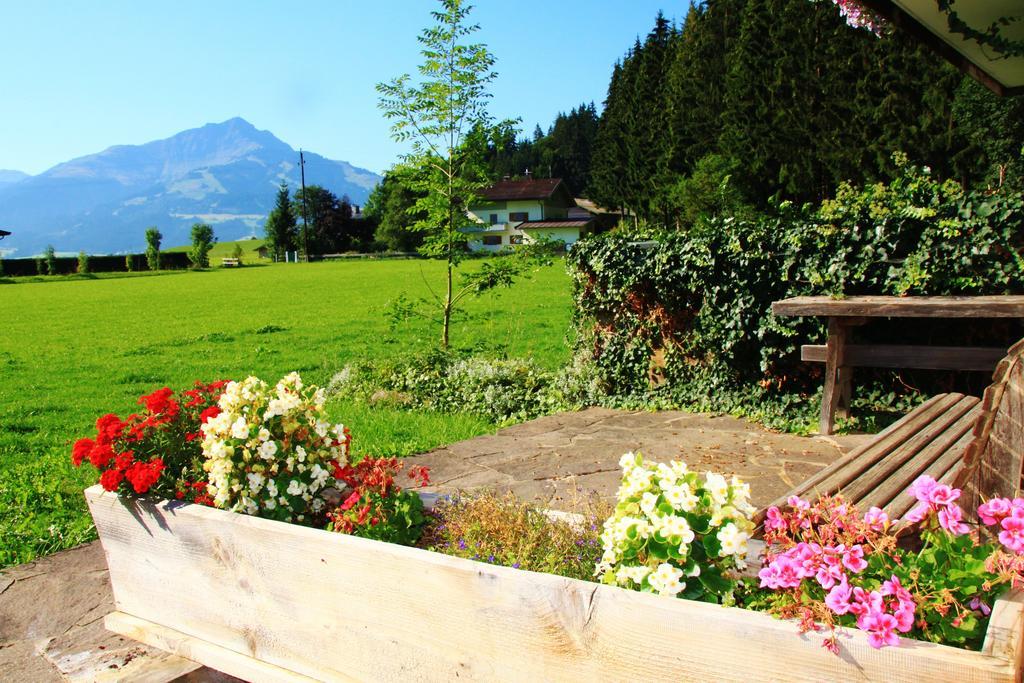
994,457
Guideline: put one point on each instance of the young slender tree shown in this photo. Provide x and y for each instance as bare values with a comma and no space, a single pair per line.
434,116
51,260
202,242
153,239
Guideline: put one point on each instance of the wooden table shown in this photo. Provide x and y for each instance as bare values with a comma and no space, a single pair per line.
843,314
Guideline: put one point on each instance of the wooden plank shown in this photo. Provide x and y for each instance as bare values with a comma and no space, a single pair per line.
914,457
909,426
998,306
1004,637
330,606
954,474
932,406
975,358
198,650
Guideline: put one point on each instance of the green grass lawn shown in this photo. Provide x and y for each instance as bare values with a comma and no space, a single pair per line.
72,349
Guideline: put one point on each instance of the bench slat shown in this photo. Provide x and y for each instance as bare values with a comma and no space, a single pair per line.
886,440
910,425
976,358
935,458
902,503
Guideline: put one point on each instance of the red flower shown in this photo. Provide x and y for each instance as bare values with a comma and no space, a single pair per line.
209,414
100,455
80,451
108,428
111,479
124,460
142,475
351,500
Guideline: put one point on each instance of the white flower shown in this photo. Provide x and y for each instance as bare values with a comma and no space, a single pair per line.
717,486
666,579
240,429
681,498
295,488
268,450
263,434
255,481
677,527
269,503
301,453
648,503
627,461
734,541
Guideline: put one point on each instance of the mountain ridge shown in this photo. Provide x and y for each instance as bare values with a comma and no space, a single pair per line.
225,174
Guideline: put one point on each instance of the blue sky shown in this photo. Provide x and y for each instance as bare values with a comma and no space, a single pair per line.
80,76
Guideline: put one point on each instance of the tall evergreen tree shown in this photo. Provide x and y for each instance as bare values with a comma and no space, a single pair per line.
281,228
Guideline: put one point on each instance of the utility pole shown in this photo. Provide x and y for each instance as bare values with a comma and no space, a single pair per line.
305,227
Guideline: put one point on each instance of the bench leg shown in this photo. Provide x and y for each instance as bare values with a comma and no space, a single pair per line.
845,380
834,351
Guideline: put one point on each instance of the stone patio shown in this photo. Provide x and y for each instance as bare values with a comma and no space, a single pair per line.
547,459
51,611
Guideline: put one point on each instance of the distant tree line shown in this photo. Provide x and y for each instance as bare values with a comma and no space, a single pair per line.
332,226
751,100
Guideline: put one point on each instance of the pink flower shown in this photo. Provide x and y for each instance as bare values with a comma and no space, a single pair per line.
894,588
922,488
950,519
798,503
1012,535
993,511
920,511
980,607
774,520
782,572
838,599
905,616
941,495
880,628
876,519
854,559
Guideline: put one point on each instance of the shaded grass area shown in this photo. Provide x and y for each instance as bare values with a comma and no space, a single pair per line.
73,349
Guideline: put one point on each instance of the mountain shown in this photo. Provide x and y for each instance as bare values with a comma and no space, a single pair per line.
8,177
225,174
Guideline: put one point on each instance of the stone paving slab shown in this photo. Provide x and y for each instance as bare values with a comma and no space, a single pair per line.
51,610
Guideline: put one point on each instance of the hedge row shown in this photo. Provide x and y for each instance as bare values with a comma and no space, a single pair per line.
67,265
693,308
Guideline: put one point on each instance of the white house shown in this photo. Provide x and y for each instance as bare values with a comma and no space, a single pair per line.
516,211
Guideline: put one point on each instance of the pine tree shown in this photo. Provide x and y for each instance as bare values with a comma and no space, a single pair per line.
281,228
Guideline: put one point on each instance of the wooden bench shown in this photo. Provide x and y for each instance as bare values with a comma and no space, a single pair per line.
840,357
969,443
230,262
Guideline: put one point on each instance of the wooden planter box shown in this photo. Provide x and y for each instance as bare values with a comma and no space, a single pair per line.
264,600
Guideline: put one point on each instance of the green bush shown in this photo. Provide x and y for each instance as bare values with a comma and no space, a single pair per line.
83,263
51,260
691,310
503,391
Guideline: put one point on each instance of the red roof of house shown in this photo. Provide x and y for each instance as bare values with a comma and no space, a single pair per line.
533,188
527,225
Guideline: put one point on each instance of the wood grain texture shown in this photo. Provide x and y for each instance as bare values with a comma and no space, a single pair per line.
333,607
974,358
213,656
1008,306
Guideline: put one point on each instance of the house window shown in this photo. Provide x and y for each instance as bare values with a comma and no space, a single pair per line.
518,216
494,219
492,240
515,239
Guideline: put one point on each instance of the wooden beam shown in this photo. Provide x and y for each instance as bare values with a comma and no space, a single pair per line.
973,358
1008,306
